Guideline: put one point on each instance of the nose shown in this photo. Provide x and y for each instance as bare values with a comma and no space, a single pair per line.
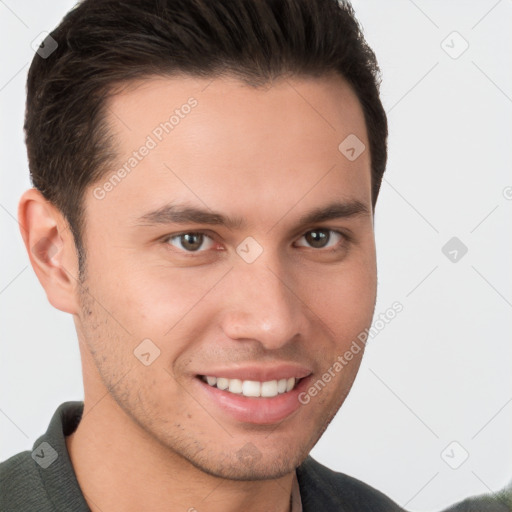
261,305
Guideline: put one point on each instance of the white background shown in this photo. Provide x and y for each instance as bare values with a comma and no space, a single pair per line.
440,371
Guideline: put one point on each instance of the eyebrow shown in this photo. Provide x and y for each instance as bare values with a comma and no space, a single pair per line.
178,214
337,210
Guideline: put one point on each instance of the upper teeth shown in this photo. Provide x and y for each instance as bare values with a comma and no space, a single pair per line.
252,388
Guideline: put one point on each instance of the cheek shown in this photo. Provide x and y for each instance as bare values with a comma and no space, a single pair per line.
172,307
147,292
344,298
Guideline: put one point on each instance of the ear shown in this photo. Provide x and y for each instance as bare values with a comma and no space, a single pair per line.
51,249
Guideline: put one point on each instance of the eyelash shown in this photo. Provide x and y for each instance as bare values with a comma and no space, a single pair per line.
344,238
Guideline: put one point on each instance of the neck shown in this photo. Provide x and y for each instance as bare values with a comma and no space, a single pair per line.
119,467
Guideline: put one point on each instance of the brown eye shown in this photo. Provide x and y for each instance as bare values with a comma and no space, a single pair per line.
190,242
321,238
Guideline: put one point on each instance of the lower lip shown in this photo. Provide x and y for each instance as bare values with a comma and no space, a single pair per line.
260,411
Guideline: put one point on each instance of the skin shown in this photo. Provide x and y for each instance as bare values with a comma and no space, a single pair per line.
149,438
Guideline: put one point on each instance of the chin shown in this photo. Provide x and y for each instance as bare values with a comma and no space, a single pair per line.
249,465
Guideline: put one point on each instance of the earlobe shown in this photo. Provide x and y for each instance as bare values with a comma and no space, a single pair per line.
51,249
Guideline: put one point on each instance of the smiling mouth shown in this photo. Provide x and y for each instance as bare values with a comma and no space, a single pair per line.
252,388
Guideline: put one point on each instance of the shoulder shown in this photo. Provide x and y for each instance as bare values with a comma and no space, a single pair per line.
20,484
322,487
499,502
43,479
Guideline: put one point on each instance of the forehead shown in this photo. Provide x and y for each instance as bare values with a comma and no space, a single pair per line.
232,146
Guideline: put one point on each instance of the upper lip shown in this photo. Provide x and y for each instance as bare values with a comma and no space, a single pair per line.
259,372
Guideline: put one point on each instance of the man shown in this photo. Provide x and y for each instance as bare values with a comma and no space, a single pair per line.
205,178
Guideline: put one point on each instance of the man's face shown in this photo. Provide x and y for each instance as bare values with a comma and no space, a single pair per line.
273,280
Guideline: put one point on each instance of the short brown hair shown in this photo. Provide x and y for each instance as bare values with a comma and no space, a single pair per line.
104,43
